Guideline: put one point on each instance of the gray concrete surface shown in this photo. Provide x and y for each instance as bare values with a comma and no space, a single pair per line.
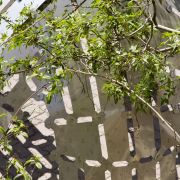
83,136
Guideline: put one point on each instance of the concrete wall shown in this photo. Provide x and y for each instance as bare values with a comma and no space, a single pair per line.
81,135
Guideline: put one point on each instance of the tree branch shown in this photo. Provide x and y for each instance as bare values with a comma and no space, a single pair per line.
167,124
161,27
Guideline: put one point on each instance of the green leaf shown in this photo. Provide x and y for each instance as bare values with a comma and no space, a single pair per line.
24,134
2,115
38,165
2,130
49,97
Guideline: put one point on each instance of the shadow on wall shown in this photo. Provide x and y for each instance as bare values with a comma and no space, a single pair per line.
89,145
36,144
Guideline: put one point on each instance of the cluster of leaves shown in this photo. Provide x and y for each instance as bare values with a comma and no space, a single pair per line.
112,40
21,167
15,129
118,38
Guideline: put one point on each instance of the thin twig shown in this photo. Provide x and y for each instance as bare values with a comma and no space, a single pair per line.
76,7
161,27
150,37
154,12
137,30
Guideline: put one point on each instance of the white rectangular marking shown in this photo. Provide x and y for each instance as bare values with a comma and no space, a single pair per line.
21,138
60,122
39,142
153,103
120,163
134,172
158,171
131,146
170,107
177,72
45,176
107,175
84,119
67,100
178,169
95,94
102,137
93,163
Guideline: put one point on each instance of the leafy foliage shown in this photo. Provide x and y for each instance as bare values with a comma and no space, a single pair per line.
17,128
118,44
112,40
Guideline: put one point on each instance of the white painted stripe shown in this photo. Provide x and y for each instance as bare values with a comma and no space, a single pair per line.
42,159
44,130
131,146
153,103
95,94
107,175
158,171
120,163
177,72
84,119
31,84
170,107
71,158
172,148
39,142
93,163
60,122
67,100
22,139
58,176
11,83
175,11
178,169
134,172
45,176
103,144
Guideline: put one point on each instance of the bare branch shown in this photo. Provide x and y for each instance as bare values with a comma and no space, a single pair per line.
161,27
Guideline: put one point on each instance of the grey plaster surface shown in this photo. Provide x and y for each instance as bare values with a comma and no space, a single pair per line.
82,136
